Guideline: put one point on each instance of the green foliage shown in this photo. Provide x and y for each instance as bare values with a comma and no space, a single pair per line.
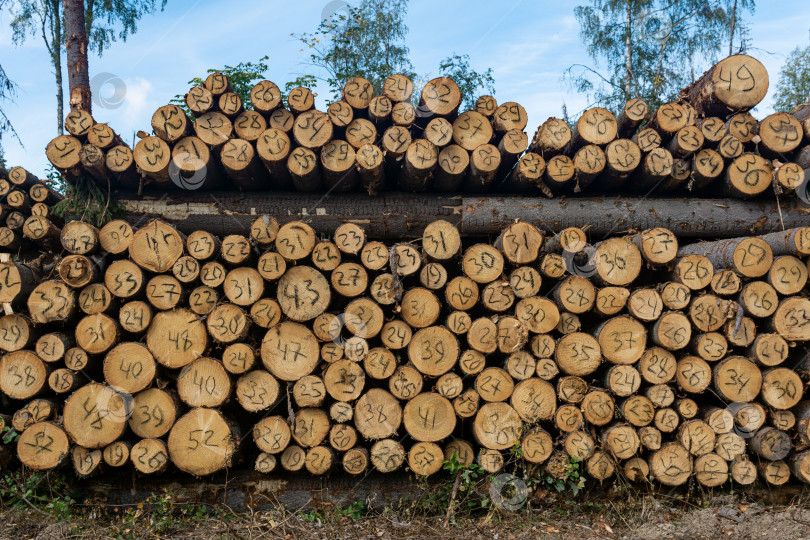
48,492
368,41
243,76
355,510
469,81
8,91
10,435
86,201
55,180
649,48
160,515
109,20
572,480
793,86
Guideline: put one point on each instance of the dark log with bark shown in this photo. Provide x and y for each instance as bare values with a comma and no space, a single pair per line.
399,215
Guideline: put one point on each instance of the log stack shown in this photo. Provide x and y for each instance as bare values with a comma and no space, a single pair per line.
705,144
274,347
25,212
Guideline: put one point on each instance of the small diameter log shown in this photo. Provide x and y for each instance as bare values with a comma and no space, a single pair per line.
19,201
115,236
78,271
230,104
202,442
647,140
43,232
116,454
149,456
559,173
788,177
370,164
249,125
695,272
634,112
707,166
22,179
527,176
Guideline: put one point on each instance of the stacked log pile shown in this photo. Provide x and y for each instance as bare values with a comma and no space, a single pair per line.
25,211
287,351
706,143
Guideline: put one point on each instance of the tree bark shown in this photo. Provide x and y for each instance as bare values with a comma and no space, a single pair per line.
76,45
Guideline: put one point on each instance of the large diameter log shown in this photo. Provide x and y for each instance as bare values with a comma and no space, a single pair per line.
42,446
737,83
402,215
202,442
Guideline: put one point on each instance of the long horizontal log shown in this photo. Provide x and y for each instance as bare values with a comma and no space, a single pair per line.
406,215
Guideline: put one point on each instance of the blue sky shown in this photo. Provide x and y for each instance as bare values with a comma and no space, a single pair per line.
528,43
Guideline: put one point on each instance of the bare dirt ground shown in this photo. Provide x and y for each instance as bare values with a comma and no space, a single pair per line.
547,516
